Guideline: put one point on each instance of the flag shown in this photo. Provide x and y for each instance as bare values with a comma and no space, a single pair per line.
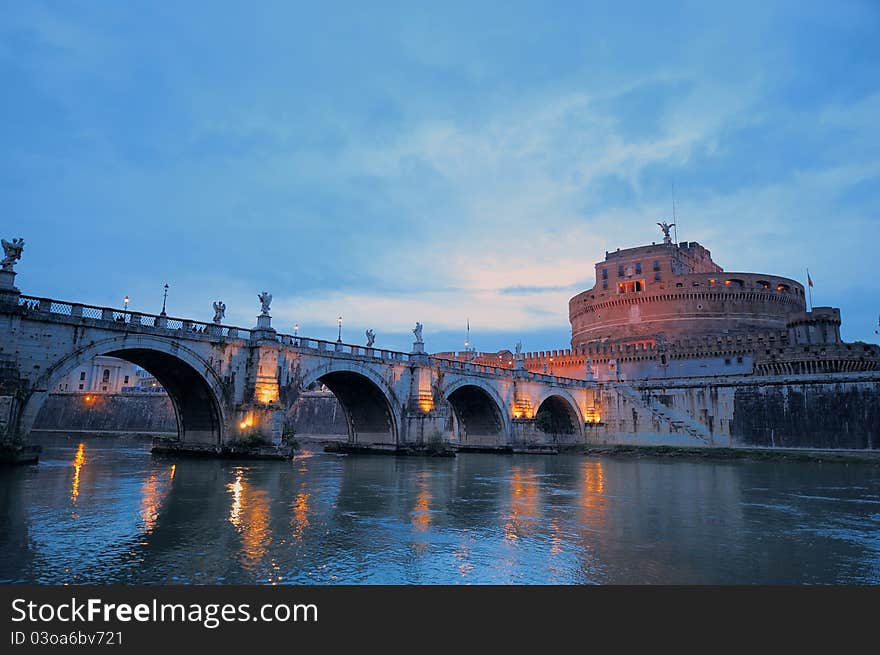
809,279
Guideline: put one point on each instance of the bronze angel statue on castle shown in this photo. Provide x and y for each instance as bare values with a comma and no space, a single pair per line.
665,227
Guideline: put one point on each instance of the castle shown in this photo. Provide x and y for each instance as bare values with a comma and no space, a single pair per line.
667,310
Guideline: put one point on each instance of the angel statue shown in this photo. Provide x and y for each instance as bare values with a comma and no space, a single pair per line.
418,332
219,311
666,227
371,337
265,301
518,349
12,252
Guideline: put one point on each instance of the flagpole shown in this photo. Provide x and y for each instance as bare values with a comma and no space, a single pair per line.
810,289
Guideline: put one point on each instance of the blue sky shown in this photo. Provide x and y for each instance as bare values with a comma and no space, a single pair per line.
394,162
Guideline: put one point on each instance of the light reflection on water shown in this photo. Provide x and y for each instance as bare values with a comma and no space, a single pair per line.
103,510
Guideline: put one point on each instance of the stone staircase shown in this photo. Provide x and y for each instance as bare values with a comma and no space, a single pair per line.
678,421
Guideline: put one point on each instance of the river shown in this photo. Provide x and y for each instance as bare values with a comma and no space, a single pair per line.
103,510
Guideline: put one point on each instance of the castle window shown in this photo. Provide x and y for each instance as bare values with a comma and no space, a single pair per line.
783,287
656,276
656,265
125,380
739,360
80,386
727,361
106,377
82,376
604,273
712,281
620,270
638,268
762,284
630,287
679,284
696,284
604,284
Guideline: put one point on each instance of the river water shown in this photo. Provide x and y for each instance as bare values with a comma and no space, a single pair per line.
103,510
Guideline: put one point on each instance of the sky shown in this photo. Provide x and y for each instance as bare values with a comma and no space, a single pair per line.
433,162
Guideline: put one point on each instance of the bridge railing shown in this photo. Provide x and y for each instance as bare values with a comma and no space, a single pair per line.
139,320
338,347
503,371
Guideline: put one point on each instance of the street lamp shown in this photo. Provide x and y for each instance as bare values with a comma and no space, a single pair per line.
296,329
125,303
339,321
164,299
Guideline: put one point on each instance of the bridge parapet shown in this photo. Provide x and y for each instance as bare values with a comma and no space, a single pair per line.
140,321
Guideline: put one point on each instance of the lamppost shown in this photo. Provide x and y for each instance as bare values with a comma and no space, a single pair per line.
125,303
339,337
296,329
164,298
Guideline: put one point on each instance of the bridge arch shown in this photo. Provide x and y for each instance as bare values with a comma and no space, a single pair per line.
479,409
195,389
558,415
371,408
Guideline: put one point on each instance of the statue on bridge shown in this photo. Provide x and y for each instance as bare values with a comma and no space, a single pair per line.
219,311
665,227
265,301
418,332
518,349
12,252
371,337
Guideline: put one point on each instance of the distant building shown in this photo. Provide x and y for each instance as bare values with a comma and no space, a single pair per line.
101,375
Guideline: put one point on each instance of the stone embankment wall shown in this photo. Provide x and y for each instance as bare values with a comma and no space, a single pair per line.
313,413
107,413
834,411
317,413
816,415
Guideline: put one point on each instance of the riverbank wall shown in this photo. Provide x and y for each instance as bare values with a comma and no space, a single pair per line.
829,411
314,413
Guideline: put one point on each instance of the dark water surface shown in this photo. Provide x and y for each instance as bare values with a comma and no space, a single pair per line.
106,511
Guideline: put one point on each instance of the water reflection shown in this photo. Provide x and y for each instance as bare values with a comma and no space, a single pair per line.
473,519
592,498
300,519
524,503
79,460
153,493
249,513
421,516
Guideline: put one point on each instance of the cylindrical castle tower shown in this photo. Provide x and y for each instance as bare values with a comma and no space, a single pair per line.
675,291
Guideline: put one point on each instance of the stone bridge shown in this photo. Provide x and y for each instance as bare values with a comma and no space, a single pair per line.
232,385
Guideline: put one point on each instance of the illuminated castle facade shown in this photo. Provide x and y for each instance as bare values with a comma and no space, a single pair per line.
675,291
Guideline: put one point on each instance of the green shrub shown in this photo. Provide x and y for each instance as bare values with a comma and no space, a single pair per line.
435,443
